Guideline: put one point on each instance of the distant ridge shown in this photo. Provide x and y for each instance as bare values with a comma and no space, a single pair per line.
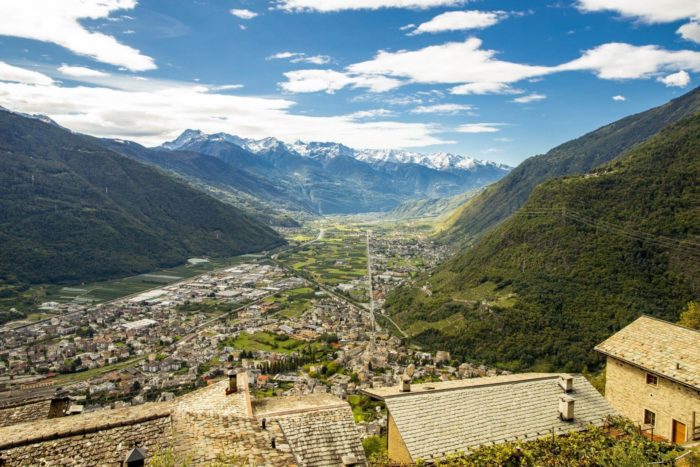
577,156
71,210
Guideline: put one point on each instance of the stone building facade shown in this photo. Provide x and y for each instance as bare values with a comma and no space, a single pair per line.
653,377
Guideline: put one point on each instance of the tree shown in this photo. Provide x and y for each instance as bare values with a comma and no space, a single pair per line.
690,317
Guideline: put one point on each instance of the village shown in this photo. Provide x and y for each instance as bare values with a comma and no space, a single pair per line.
291,334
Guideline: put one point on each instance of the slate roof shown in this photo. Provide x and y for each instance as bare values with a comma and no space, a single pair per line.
485,411
666,349
319,429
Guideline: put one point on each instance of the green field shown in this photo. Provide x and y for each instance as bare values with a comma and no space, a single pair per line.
292,302
263,341
98,292
340,257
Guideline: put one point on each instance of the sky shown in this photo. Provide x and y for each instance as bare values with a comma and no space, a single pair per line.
495,80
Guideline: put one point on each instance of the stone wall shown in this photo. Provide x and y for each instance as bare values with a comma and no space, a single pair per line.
24,413
104,447
628,392
398,452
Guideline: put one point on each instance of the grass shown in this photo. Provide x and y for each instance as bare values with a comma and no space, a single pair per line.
263,341
93,372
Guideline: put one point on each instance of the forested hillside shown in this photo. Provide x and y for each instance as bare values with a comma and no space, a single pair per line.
583,257
578,156
71,210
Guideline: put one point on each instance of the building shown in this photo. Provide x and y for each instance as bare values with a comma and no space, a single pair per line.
218,423
653,377
431,420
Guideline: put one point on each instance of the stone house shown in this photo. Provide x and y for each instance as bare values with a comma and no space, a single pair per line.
653,377
218,423
429,421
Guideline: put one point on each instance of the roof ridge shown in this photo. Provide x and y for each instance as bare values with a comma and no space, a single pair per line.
667,322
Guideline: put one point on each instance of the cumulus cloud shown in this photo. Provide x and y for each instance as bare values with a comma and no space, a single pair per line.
22,75
242,13
653,11
625,61
619,98
58,24
474,70
445,109
328,6
690,31
649,11
151,112
80,71
460,21
479,128
679,80
534,97
451,62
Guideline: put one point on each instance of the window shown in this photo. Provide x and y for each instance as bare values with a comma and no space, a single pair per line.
649,418
652,379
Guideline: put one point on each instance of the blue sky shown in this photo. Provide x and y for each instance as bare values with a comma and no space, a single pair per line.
497,80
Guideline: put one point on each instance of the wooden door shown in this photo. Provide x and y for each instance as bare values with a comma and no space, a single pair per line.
678,432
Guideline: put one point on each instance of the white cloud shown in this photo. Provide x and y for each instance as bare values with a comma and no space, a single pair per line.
450,63
57,22
328,6
373,113
448,109
300,57
407,27
479,128
619,98
80,71
242,13
155,111
649,11
227,87
330,81
679,80
625,61
21,75
534,97
484,88
690,31
460,21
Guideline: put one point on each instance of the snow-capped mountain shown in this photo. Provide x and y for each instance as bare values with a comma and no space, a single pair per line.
328,150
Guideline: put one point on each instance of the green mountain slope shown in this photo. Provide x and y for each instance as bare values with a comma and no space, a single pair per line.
578,156
583,257
71,210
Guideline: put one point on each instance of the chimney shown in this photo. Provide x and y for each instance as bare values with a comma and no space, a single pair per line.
59,404
566,408
566,382
406,385
349,460
232,382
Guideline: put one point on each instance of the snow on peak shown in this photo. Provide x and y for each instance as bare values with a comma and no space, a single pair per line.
329,150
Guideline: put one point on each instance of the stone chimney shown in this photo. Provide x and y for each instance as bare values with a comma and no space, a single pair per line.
566,382
59,404
406,385
232,382
566,408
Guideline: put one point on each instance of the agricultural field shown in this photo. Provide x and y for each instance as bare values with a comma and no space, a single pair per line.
292,303
340,257
263,341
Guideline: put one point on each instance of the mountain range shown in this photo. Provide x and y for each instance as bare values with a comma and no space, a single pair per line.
326,178
583,256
